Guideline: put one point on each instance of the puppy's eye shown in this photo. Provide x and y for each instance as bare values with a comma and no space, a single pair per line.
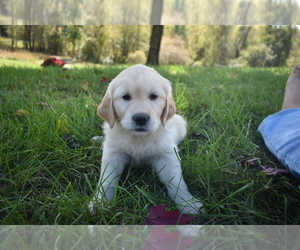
153,97
126,97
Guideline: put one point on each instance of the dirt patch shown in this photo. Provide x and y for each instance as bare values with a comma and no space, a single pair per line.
22,55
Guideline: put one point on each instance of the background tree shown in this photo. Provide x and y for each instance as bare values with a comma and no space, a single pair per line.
97,11
13,8
280,42
240,43
3,7
155,41
156,12
156,32
72,11
207,44
73,33
125,39
205,12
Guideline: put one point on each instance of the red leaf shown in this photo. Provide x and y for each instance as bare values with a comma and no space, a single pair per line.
158,216
104,80
160,240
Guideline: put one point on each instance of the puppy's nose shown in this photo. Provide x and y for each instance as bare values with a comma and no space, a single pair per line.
140,119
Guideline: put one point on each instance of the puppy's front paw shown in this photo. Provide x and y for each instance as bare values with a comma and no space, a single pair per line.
98,201
91,206
191,207
95,203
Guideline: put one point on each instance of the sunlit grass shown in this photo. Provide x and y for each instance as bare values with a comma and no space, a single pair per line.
47,180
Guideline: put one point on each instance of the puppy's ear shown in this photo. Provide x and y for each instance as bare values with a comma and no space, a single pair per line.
106,109
169,110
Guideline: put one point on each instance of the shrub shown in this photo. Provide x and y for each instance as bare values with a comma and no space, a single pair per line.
173,51
89,51
257,55
136,57
55,45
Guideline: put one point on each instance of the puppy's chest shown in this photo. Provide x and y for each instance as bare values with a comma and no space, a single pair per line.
139,150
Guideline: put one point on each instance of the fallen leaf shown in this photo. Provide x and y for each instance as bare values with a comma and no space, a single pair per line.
21,112
43,104
85,87
204,106
11,86
104,80
275,171
270,171
159,239
62,123
251,163
95,105
159,216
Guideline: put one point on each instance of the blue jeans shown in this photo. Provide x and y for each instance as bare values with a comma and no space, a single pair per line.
281,133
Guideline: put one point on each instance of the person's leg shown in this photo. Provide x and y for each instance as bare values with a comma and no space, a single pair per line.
281,131
292,90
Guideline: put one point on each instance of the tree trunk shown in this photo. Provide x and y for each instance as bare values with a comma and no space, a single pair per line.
155,40
28,30
156,12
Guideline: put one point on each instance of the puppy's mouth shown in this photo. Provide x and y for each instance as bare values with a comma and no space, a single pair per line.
140,130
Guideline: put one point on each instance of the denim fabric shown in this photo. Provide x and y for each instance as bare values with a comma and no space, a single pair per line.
281,133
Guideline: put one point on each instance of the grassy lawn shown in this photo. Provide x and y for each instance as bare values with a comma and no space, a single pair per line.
50,166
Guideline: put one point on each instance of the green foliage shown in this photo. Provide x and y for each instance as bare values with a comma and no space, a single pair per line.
54,44
137,57
89,51
44,181
211,44
129,12
211,35
235,12
257,56
253,46
73,34
280,41
183,45
127,39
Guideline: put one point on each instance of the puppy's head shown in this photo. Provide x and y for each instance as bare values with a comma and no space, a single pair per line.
139,99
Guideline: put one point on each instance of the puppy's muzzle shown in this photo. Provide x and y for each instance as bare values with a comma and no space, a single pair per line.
141,119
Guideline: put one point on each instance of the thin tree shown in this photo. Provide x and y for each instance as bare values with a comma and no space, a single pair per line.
155,41
156,33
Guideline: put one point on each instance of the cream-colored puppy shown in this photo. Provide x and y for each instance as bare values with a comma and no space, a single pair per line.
142,128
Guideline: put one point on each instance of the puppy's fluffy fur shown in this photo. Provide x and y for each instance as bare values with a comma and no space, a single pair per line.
142,128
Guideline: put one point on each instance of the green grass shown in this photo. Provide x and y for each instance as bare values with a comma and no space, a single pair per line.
44,181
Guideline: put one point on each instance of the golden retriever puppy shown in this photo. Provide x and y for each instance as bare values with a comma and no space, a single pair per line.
142,128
